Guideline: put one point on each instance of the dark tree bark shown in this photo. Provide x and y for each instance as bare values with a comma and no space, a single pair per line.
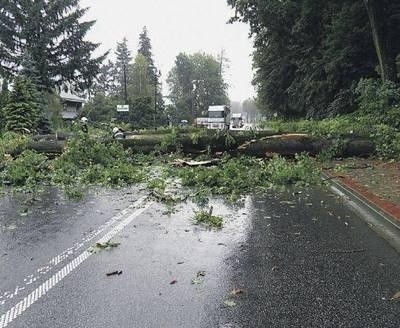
260,146
382,39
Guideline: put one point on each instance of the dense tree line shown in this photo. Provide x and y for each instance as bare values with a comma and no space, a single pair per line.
131,80
195,82
43,50
310,55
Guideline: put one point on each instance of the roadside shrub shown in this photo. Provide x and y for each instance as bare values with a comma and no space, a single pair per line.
29,169
380,101
387,140
11,142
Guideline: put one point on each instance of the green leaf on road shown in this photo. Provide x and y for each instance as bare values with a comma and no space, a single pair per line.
230,303
103,246
196,281
12,227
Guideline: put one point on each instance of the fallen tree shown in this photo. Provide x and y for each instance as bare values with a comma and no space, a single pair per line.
260,144
292,144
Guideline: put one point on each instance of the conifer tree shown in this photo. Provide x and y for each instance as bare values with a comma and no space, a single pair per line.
107,80
153,75
145,46
21,113
145,51
124,57
53,34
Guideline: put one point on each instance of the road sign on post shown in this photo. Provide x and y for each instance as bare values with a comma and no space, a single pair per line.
122,108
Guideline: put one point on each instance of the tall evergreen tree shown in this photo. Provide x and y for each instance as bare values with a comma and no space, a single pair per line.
144,63
52,33
145,50
124,57
145,46
106,81
21,113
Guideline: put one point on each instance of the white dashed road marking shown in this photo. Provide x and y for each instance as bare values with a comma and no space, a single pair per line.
22,306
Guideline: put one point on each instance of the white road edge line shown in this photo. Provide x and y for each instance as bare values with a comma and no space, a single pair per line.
22,306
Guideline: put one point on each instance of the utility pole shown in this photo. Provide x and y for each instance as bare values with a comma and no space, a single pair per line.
194,87
156,76
155,99
221,60
125,86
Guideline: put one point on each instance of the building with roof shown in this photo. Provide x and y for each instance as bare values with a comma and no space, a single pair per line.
72,106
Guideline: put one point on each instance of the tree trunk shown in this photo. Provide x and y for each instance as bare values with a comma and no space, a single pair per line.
247,144
292,144
381,38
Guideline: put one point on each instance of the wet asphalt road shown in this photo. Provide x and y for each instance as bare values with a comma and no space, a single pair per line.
301,260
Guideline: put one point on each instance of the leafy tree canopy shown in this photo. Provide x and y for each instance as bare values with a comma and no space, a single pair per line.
196,83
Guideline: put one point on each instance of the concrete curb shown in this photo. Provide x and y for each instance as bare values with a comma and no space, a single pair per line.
376,218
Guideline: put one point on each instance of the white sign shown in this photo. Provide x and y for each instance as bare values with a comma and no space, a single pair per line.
122,108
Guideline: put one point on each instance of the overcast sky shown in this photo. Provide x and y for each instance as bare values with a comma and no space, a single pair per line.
177,26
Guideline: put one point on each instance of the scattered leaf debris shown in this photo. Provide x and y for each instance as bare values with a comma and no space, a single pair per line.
396,297
196,281
206,218
199,278
230,303
103,246
236,291
114,273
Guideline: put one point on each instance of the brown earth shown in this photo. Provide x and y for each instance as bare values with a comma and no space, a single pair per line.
377,181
